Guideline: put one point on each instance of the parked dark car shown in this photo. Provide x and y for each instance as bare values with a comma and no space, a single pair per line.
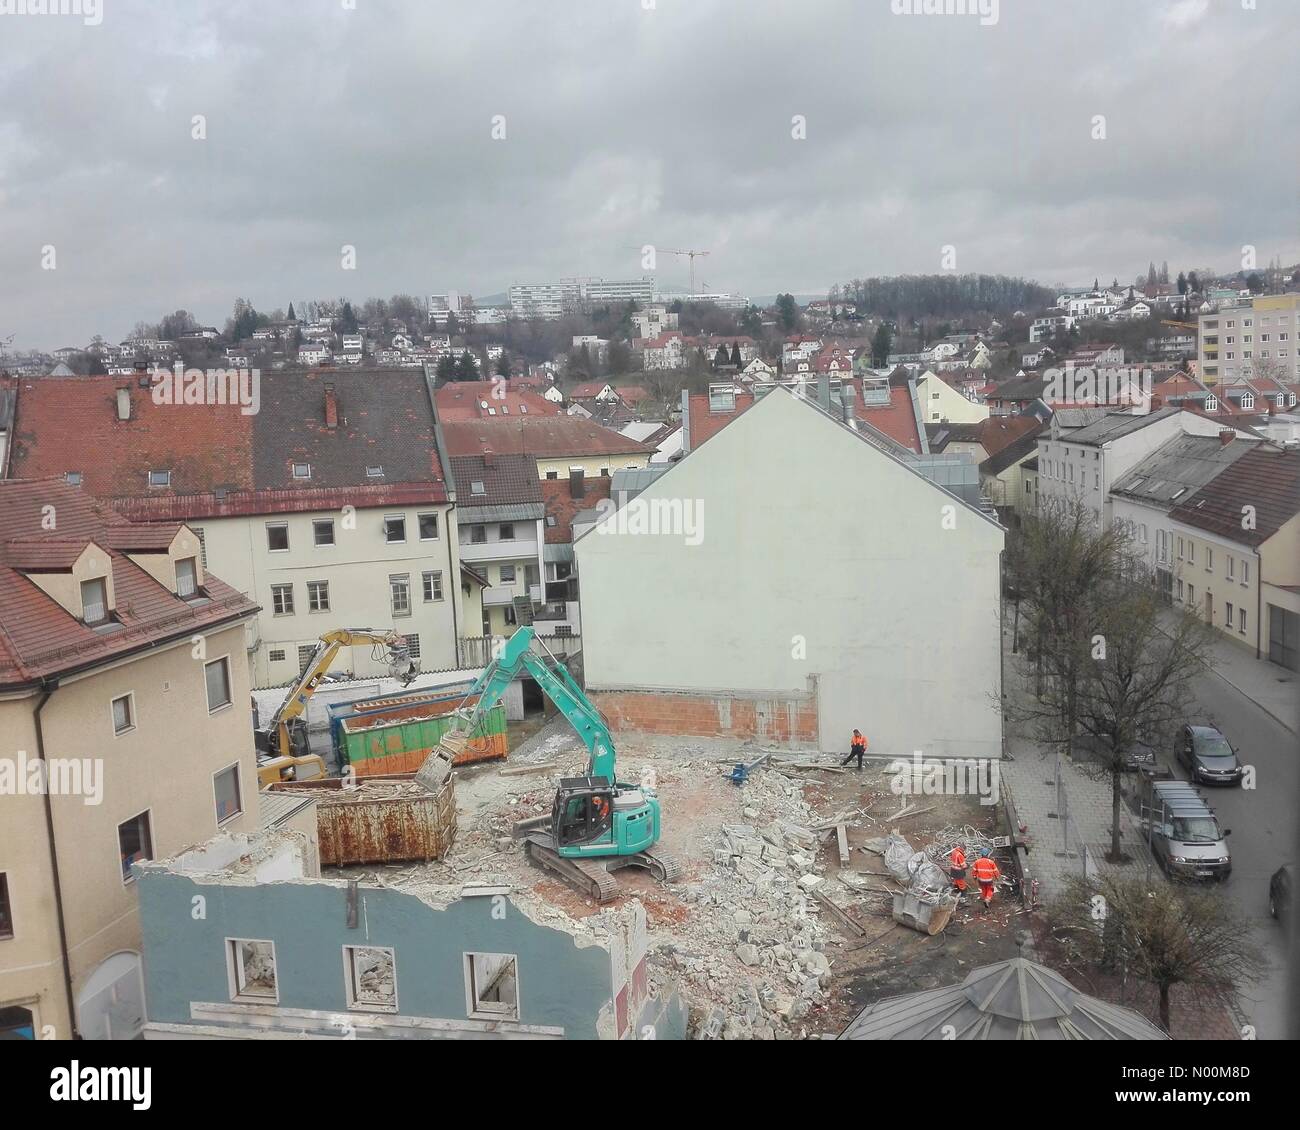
1208,756
1279,893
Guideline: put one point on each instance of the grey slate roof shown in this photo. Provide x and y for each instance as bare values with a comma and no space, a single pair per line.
1115,425
1180,468
1009,1000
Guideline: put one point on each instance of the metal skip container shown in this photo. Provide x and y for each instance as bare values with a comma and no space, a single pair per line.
380,819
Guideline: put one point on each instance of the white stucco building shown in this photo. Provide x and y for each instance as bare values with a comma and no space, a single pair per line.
772,610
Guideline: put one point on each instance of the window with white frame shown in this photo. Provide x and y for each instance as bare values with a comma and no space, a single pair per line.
394,529
124,714
322,531
1227,614
187,577
1245,572
282,600
251,965
399,590
492,986
318,596
1241,624
225,789
277,537
432,585
1209,559
370,973
428,527
302,470
217,680
506,574
94,601
1231,567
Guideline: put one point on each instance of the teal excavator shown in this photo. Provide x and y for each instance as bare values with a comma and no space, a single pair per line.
597,824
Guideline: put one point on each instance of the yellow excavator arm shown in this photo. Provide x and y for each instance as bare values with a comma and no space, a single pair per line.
294,706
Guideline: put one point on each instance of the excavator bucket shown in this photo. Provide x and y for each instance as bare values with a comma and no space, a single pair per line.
437,766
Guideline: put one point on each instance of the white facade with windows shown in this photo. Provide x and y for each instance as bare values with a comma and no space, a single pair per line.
320,570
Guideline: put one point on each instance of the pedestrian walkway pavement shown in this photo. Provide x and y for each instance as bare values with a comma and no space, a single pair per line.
1274,689
1068,831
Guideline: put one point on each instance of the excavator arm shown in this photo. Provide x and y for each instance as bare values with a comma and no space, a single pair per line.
555,680
295,704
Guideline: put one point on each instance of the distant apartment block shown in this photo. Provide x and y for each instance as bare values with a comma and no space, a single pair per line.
1257,339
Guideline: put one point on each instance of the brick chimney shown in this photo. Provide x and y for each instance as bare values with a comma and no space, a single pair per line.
1226,436
489,459
1157,402
331,407
577,484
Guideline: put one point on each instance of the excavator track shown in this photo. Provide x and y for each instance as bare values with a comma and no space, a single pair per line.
665,868
589,877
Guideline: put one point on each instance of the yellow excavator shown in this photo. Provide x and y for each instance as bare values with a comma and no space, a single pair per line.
282,750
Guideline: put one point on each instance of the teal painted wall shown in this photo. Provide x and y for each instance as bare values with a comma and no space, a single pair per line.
560,984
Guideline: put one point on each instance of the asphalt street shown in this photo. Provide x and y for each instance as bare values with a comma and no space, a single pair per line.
1264,823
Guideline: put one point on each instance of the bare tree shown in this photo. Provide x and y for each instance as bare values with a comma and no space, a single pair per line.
1160,934
1137,682
1059,564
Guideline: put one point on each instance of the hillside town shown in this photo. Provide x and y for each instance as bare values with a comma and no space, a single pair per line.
910,656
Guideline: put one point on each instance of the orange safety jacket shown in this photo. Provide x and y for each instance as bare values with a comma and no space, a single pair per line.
957,864
986,871
858,740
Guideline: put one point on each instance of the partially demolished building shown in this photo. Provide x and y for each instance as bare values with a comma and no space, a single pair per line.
244,939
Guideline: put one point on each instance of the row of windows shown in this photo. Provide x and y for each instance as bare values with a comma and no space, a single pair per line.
370,979
307,650
322,529
135,837
1232,614
318,598
1187,552
216,681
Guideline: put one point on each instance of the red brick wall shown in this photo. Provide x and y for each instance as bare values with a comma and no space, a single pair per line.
790,719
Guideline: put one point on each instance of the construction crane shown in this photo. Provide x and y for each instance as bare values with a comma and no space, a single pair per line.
692,255
284,741
597,824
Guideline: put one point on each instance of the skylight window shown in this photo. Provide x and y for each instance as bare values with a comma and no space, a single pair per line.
476,487
72,478
160,478
374,472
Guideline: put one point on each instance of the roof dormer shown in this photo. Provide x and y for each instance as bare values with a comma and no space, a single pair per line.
169,552
76,573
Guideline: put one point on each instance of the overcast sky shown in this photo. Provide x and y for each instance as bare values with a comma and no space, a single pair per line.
371,125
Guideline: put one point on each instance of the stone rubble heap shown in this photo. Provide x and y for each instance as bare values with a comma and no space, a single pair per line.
753,953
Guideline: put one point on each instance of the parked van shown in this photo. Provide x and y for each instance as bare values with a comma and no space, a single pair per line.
1182,830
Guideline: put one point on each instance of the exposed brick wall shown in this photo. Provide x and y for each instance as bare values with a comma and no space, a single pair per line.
790,719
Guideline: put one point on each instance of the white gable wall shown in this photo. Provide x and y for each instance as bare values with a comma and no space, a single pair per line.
808,534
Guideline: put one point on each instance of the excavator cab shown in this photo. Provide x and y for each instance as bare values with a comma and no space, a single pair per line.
583,811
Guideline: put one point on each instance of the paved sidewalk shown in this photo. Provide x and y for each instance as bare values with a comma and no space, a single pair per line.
1274,689
1068,843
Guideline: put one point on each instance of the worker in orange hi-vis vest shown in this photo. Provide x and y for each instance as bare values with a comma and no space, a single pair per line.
986,874
957,868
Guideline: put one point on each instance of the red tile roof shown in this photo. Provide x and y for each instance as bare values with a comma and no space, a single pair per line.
632,394
224,463
1266,478
39,639
587,390
562,506
511,480
897,419
549,437
465,400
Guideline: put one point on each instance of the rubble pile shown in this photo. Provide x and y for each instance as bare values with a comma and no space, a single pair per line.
752,955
